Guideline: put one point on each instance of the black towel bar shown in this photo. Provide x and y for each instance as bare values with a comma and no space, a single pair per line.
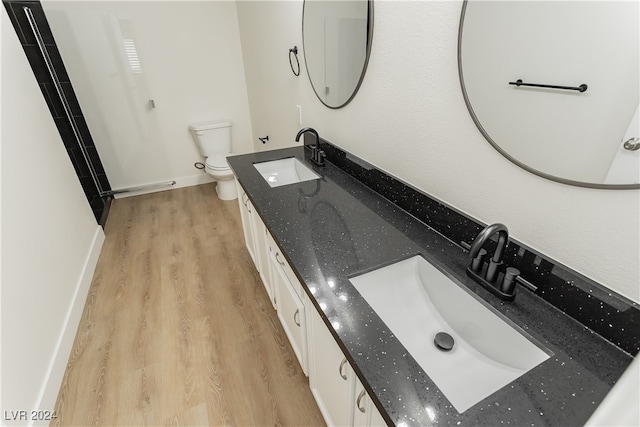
583,87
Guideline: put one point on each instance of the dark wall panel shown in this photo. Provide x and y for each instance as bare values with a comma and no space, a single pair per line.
99,204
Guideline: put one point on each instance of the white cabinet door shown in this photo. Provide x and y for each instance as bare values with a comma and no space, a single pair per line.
256,238
360,406
365,413
250,239
330,376
291,309
267,270
375,417
261,239
245,214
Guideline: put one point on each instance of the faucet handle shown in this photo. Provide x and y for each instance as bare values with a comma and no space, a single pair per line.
476,263
317,156
509,281
321,157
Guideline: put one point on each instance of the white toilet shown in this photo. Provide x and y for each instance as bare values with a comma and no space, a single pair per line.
214,142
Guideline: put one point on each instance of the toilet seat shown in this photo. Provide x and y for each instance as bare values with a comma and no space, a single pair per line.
217,162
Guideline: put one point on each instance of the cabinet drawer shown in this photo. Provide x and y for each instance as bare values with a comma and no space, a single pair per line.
291,312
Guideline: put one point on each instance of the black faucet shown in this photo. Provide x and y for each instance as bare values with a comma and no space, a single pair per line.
317,155
489,278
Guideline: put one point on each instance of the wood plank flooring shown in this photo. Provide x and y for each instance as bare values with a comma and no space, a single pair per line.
177,328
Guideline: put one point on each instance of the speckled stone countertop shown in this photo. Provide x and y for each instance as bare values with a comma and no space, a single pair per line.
335,227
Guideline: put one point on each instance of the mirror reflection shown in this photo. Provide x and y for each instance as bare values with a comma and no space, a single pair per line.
337,41
572,136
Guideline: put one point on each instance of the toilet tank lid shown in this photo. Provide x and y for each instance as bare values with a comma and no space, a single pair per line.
213,124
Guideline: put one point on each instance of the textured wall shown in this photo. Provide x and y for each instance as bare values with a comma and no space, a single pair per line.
409,119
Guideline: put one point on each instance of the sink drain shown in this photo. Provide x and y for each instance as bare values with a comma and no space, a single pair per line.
443,341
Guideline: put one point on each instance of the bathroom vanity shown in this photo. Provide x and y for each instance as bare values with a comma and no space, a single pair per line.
311,239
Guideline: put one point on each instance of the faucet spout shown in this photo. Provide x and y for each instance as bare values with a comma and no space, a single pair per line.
317,155
490,278
485,235
496,259
310,130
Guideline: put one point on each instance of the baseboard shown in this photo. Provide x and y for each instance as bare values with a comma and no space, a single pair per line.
55,372
185,181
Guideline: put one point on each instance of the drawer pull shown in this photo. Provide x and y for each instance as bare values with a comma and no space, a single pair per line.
278,259
296,314
344,361
360,396
632,144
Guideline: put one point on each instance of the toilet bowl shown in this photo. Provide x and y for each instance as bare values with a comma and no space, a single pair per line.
214,143
219,169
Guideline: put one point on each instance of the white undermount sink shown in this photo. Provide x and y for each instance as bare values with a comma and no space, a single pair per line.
285,171
416,301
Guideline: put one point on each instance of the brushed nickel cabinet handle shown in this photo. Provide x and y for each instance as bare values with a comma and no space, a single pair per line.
296,314
344,377
278,259
632,144
360,396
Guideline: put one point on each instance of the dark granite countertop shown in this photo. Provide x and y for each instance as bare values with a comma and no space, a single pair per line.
336,227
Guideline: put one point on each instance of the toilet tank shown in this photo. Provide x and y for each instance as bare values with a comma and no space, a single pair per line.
213,137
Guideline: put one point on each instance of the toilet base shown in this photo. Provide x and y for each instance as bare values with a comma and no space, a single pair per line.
226,190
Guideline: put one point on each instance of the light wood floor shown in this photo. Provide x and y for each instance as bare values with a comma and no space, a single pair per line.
177,328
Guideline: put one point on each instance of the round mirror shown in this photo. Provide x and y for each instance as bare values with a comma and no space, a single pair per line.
337,40
554,86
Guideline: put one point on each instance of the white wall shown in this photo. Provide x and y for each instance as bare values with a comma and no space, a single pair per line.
268,29
563,133
409,118
50,241
192,68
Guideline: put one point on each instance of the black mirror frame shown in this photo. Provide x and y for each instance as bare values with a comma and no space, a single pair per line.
507,155
366,60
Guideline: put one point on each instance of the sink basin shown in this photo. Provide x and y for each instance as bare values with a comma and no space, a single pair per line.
416,301
285,171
